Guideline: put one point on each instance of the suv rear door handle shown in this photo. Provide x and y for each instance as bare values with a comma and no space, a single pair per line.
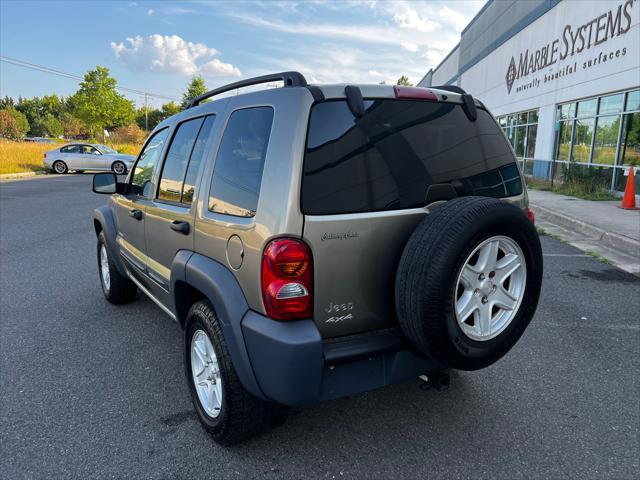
181,227
135,213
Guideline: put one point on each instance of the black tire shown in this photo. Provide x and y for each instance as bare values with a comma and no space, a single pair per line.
120,289
242,415
59,167
119,168
428,271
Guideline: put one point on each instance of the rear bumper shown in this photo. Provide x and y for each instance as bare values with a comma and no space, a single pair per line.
294,366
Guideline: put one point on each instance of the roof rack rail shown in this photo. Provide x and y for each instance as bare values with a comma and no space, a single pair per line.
290,79
450,88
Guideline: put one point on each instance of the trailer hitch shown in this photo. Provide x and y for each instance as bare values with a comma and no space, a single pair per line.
435,380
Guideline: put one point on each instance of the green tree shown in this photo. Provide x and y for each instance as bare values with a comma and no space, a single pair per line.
99,105
6,102
30,107
46,126
195,88
148,118
169,109
13,124
404,80
72,126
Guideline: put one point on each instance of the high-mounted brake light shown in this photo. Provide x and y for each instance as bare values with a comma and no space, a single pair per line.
530,215
287,279
416,93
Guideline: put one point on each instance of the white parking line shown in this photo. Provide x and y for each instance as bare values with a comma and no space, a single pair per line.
565,255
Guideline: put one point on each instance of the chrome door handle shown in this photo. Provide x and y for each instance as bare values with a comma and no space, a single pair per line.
135,213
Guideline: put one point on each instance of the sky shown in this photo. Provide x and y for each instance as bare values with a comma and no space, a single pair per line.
157,47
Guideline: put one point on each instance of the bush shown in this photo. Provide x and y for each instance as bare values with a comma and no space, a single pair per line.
13,124
129,134
588,181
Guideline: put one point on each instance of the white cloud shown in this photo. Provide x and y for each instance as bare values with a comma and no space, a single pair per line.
454,18
171,54
413,20
216,67
433,57
151,11
410,47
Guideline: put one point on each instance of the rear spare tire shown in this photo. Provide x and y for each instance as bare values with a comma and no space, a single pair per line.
468,281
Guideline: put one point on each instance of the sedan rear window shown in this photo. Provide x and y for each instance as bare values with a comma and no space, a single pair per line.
387,159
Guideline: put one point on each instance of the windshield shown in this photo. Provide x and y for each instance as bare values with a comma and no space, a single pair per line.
105,149
388,158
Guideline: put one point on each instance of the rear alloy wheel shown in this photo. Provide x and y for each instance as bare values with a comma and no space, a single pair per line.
119,168
60,167
224,407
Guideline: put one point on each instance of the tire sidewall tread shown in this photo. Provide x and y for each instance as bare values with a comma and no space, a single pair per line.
427,276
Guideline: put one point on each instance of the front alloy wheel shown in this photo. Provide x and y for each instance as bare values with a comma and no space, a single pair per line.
104,269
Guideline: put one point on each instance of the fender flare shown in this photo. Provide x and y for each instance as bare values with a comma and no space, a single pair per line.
220,287
103,221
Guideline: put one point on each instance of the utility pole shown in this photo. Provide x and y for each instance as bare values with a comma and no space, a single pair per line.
146,113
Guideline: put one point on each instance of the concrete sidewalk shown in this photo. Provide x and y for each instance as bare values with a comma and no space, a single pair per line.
598,227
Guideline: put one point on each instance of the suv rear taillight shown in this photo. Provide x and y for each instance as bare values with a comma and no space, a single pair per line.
287,279
414,93
530,215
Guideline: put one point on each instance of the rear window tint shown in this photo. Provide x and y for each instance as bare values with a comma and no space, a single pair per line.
387,159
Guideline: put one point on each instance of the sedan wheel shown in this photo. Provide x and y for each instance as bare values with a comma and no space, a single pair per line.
60,167
119,168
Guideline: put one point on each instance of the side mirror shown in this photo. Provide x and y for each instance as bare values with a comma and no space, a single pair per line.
106,183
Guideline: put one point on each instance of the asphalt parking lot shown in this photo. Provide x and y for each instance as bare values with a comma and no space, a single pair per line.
88,389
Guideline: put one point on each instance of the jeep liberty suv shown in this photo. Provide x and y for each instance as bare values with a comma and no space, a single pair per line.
317,241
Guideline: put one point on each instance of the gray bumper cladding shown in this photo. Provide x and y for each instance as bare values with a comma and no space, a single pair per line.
291,365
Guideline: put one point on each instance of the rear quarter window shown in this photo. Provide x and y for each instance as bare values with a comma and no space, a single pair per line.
387,159
237,174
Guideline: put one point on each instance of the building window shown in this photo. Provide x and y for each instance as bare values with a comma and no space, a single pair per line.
602,131
521,130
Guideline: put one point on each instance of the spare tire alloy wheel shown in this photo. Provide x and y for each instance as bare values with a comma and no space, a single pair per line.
206,373
468,281
490,288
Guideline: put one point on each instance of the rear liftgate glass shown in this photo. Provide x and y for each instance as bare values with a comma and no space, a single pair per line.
362,175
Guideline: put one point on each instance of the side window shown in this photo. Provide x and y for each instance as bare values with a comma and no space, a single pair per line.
177,181
175,164
237,174
143,170
196,159
88,150
70,149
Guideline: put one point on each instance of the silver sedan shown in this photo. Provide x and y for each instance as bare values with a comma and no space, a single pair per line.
85,156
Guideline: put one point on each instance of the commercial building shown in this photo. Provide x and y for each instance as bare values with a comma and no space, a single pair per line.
563,79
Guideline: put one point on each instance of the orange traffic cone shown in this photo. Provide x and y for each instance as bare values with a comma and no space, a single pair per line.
629,198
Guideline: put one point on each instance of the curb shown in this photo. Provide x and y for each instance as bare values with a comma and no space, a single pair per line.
11,176
612,240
